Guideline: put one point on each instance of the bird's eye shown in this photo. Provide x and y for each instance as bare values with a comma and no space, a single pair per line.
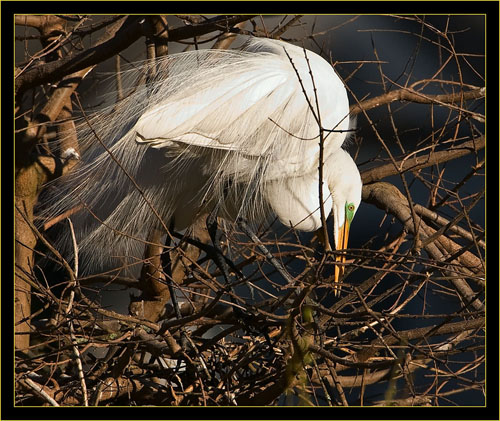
350,206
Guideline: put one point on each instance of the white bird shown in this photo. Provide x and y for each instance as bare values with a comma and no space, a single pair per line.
237,130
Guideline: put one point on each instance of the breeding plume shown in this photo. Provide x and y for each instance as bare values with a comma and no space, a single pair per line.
237,131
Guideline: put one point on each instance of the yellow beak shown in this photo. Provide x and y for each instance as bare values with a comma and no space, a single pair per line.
342,245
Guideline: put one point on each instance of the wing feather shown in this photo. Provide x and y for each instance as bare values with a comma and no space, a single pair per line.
250,102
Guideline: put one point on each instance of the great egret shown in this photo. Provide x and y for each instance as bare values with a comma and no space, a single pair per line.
236,130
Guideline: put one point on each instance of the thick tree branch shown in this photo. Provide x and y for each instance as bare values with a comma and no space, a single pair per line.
410,95
130,31
387,197
418,162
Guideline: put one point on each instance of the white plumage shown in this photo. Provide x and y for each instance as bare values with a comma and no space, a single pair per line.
212,127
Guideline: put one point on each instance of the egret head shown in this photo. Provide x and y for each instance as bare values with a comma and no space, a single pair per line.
344,182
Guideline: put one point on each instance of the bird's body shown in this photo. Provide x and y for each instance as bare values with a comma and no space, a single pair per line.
253,105
226,129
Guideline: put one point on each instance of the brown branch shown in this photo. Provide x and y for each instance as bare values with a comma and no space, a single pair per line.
413,96
225,40
387,197
218,23
113,388
167,347
425,332
40,22
43,392
130,31
438,219
418,162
